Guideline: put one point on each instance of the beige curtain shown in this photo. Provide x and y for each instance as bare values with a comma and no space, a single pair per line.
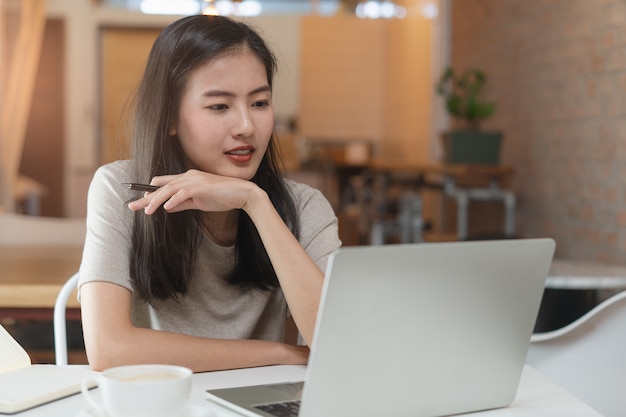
22,24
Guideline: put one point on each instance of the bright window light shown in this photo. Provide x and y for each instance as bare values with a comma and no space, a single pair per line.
376,10
430,11
371,9
243,8
387,9
249,8
179,7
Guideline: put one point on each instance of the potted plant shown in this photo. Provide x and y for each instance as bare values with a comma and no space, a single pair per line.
463,94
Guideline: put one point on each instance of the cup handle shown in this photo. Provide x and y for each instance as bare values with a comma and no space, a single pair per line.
84,388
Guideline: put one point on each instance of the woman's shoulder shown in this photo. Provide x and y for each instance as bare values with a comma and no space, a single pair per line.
301,190
106,181
306,195
122,170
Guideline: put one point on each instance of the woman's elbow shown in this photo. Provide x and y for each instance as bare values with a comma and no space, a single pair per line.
98,359
103,353
107,328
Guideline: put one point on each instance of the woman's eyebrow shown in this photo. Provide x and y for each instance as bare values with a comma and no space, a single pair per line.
262,89
224,93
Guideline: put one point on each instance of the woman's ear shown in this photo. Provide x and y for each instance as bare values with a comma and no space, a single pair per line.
172,130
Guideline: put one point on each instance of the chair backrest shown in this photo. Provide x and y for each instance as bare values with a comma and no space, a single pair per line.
59,320
587,357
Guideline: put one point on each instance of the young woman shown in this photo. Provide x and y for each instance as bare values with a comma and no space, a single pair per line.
204,271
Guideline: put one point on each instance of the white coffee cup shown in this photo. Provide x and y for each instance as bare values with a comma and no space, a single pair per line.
141,391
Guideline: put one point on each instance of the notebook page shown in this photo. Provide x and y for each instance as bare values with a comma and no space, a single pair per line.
12,355
38,384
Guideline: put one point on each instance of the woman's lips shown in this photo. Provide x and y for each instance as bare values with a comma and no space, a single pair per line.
243,154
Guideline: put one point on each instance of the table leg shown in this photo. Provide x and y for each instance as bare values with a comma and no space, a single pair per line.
462,201
509,217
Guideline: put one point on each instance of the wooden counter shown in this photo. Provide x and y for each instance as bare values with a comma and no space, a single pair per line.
31,278
457,171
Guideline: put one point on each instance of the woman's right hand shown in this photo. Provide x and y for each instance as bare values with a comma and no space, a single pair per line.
197,190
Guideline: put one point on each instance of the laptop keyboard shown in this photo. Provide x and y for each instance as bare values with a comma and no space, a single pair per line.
282,409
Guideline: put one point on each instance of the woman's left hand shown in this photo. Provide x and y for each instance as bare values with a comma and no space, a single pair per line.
196,190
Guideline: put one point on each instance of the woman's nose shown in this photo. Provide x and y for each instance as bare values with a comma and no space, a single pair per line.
243,126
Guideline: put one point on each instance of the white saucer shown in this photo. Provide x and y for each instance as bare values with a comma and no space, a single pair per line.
194,409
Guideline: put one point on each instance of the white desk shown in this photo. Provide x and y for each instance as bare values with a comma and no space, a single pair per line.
581,275
537,396
574,287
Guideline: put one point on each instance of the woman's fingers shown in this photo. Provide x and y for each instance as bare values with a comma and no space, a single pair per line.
194,190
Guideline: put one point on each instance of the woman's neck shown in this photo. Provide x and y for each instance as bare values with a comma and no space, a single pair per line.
220,227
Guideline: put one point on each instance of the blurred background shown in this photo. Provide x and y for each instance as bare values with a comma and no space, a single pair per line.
358,112
350,86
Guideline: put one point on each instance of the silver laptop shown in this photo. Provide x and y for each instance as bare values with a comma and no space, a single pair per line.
427,329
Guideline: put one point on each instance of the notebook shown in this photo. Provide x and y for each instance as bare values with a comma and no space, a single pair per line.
24,385
427,329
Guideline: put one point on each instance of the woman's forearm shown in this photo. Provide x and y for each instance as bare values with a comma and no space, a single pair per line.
300,278
111,339
199,354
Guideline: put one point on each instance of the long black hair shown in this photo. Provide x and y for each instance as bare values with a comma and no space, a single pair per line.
164,244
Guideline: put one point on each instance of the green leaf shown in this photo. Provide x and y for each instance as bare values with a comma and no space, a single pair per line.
463,95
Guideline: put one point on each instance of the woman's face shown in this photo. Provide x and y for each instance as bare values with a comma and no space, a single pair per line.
226,117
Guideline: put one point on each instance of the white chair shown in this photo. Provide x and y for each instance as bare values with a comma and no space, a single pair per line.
59,320
588,357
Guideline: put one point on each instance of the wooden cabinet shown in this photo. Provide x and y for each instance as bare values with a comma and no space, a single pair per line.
342,78
367,80
124,55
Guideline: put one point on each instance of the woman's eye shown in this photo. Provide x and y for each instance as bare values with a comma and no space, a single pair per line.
218,107
261,103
